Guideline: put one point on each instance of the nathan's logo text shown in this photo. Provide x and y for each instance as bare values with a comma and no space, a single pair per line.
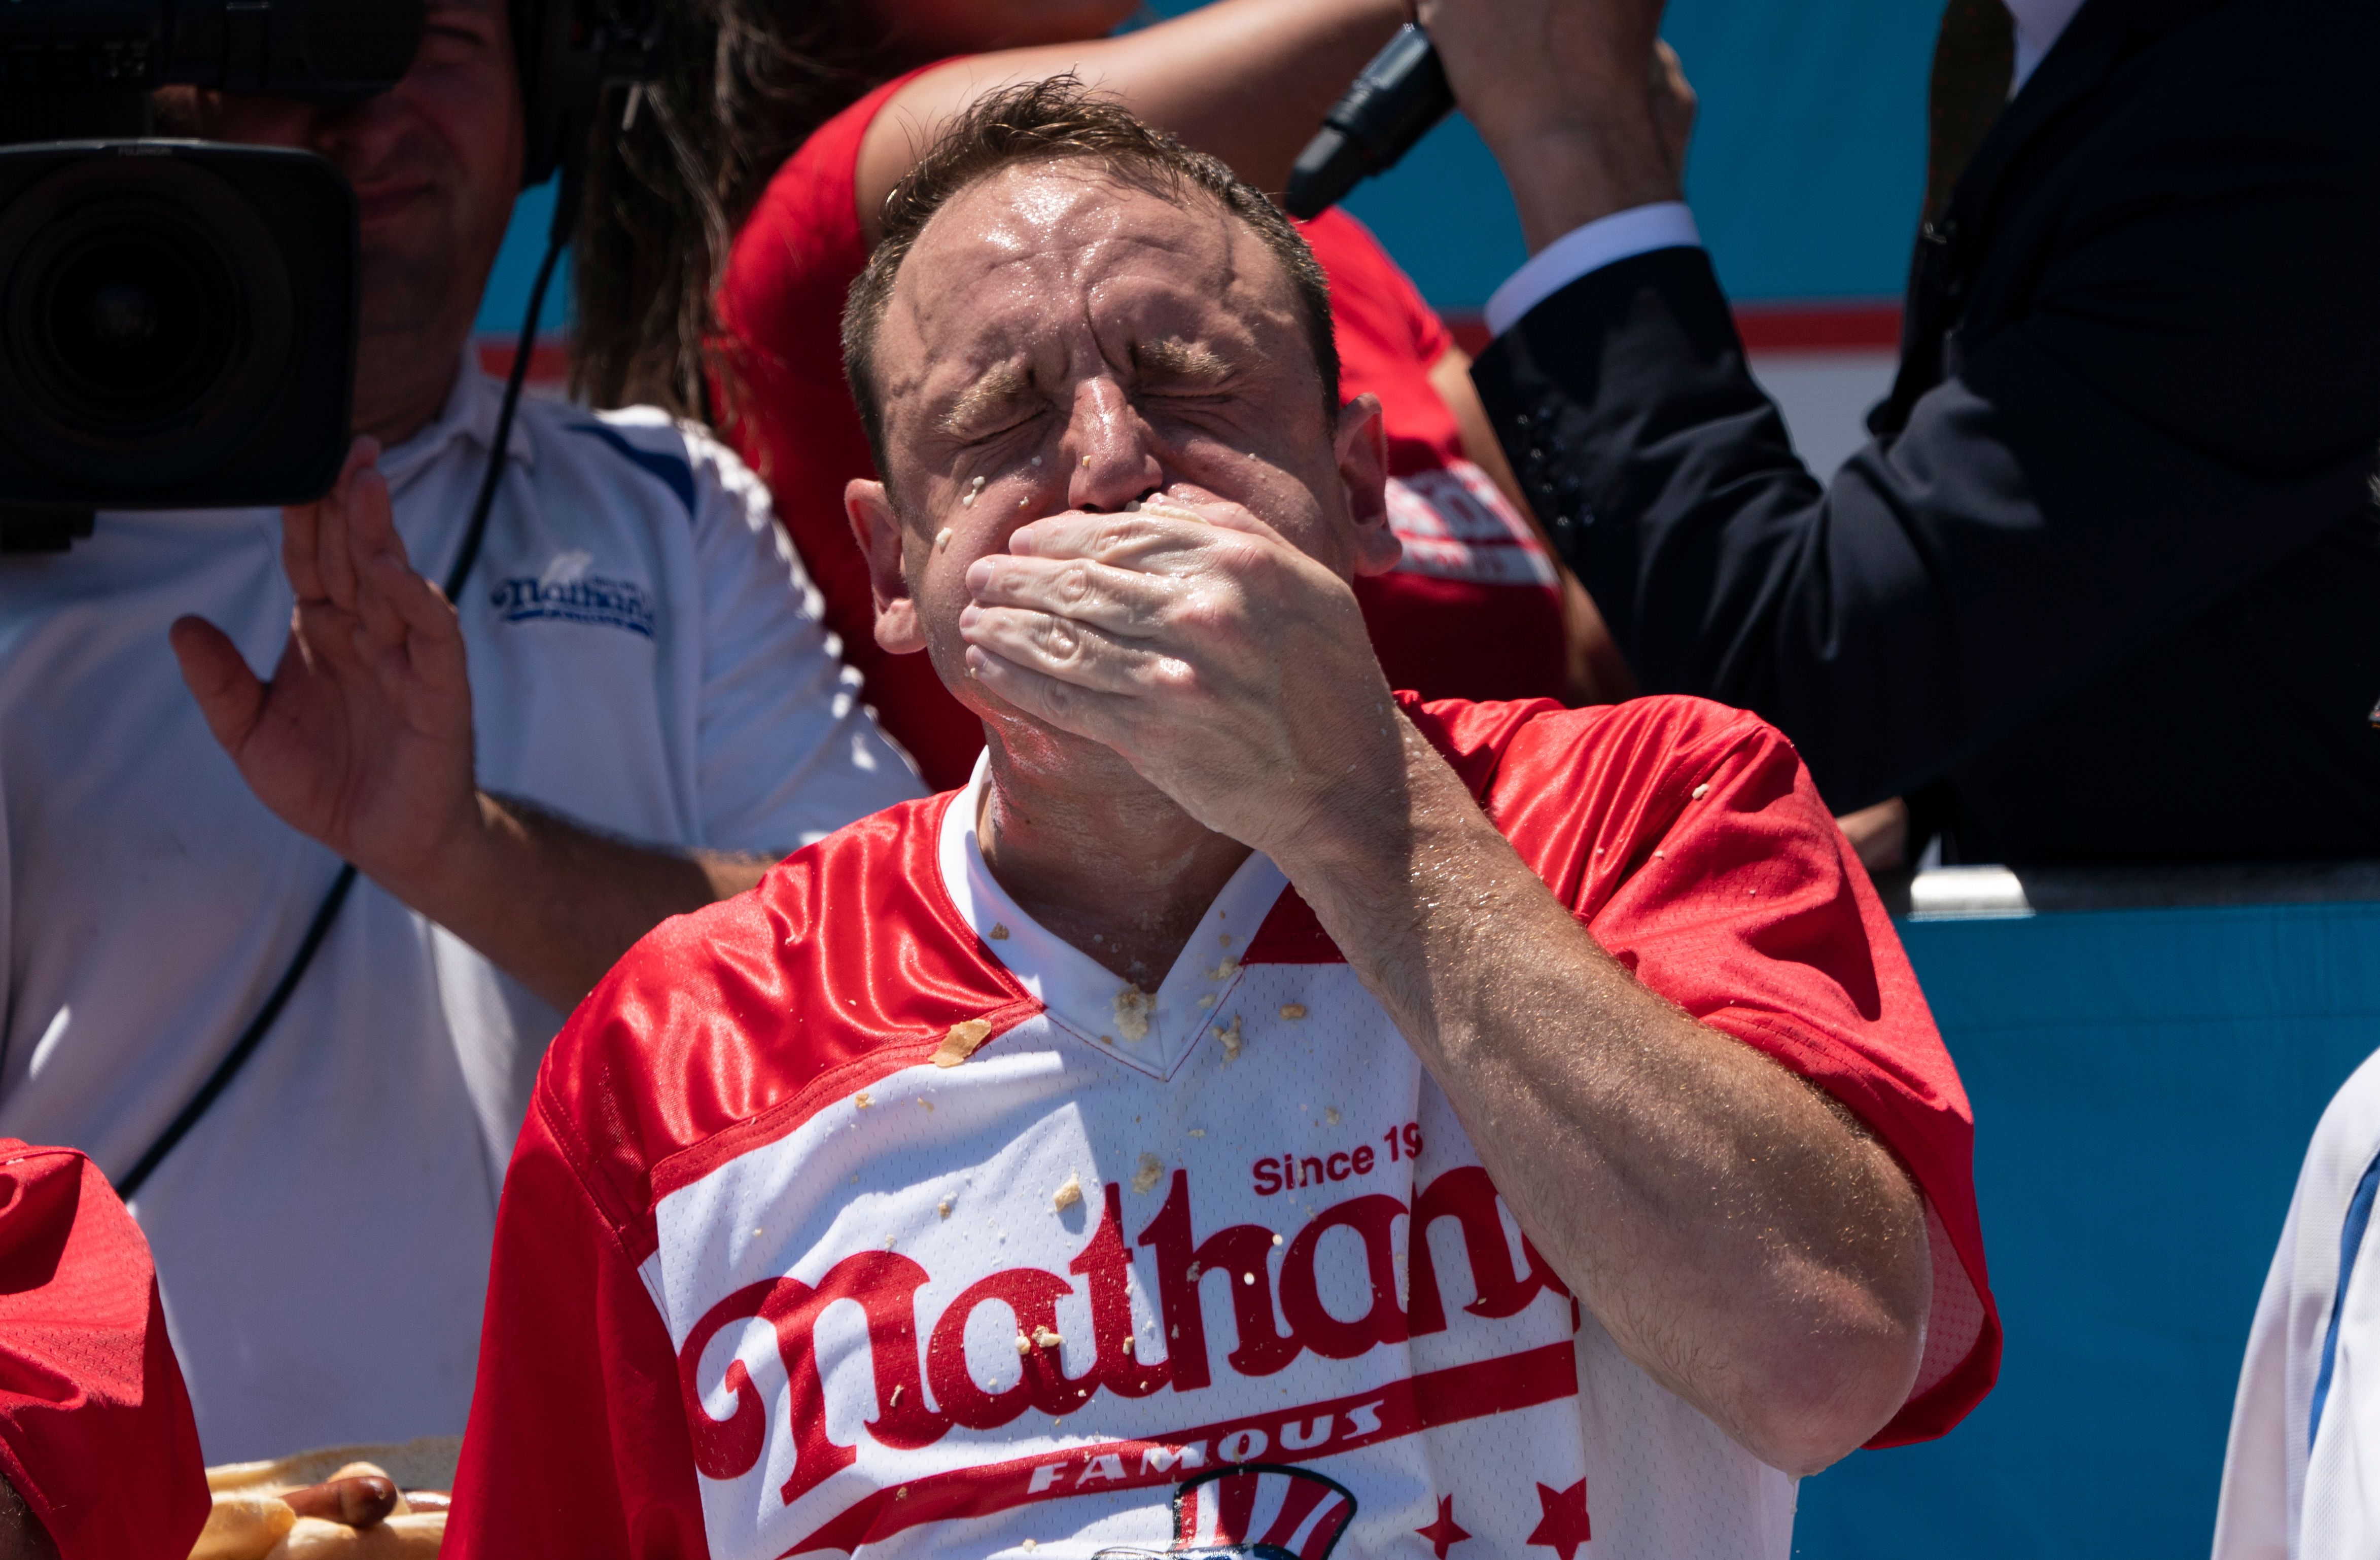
591,598
908,1355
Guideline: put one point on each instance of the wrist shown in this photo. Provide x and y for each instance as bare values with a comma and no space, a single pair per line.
452,871
1567,173
1364,835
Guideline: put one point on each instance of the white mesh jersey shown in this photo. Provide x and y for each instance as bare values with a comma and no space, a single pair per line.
1089,1272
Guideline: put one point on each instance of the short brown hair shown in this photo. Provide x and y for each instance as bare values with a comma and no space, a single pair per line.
1051,121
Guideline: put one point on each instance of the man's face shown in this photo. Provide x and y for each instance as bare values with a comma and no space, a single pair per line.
1062,339
435,163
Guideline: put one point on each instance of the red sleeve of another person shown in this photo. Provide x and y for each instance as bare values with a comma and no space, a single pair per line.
1474,610
95,1427
1689,840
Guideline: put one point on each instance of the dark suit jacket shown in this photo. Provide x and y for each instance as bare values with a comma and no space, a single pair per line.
2105,585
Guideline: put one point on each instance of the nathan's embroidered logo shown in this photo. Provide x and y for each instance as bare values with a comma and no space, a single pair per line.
1260,1512
569,592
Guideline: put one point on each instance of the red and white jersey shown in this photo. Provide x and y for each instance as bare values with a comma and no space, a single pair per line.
863,1213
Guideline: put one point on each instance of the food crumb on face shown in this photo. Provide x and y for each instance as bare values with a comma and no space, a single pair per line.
1145,1179
1069,1194
943,1207
942,537
999,931
1293,1010
962,1041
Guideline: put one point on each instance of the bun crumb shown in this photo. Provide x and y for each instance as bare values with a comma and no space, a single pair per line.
962,1041
1067,1195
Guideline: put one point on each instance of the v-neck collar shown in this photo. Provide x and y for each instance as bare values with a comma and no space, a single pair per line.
1151,1033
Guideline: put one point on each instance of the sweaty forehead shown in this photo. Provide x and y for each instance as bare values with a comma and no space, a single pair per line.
1037,253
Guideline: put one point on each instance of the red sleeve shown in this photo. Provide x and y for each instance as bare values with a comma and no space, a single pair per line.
790,415
576,1443
95,1427
1689,838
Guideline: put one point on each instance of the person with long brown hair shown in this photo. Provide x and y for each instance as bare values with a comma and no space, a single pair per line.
729,214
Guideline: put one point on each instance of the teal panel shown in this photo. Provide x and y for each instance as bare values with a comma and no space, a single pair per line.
1805,171
2144,1084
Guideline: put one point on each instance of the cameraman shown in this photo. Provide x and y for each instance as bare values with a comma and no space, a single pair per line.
645,663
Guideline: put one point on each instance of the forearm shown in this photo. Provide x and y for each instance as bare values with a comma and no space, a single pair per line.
554,903
1738,1236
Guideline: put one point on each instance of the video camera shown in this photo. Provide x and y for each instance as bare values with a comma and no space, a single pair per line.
177,318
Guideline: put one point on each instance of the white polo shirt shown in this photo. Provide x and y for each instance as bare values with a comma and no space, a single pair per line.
646,655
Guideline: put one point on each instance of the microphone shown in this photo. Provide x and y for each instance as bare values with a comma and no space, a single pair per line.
1399,99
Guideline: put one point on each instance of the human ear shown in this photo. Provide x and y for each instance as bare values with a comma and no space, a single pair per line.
1362,448
881,534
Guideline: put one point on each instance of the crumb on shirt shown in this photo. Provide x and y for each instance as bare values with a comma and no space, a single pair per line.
862,1100
1293,1010
962,1041
1331,1114
1223,971
1044,1338
1229,1035
943,1207
1024,1346
1702,791
1067,1194
1144,1179
1133,1007
1195,1131
999,931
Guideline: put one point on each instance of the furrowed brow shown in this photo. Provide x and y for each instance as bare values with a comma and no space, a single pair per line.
1188,362
985,398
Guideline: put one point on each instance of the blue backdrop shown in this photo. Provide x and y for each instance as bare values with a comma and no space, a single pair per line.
1805,171
2144,1082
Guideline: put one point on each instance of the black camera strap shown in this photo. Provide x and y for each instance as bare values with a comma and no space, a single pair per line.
565,209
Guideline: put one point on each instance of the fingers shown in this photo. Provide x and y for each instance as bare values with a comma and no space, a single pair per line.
1070,651
1117,600
1164,536
229,695
315,548
410,631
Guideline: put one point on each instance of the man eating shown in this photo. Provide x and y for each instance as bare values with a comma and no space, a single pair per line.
1258,1115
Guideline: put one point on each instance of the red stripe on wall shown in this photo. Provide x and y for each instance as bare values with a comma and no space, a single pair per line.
549,362
1851,326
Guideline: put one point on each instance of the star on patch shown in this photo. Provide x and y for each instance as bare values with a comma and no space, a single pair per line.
1563,1526
1444,1533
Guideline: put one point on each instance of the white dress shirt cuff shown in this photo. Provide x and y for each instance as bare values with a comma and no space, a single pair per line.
1665,224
